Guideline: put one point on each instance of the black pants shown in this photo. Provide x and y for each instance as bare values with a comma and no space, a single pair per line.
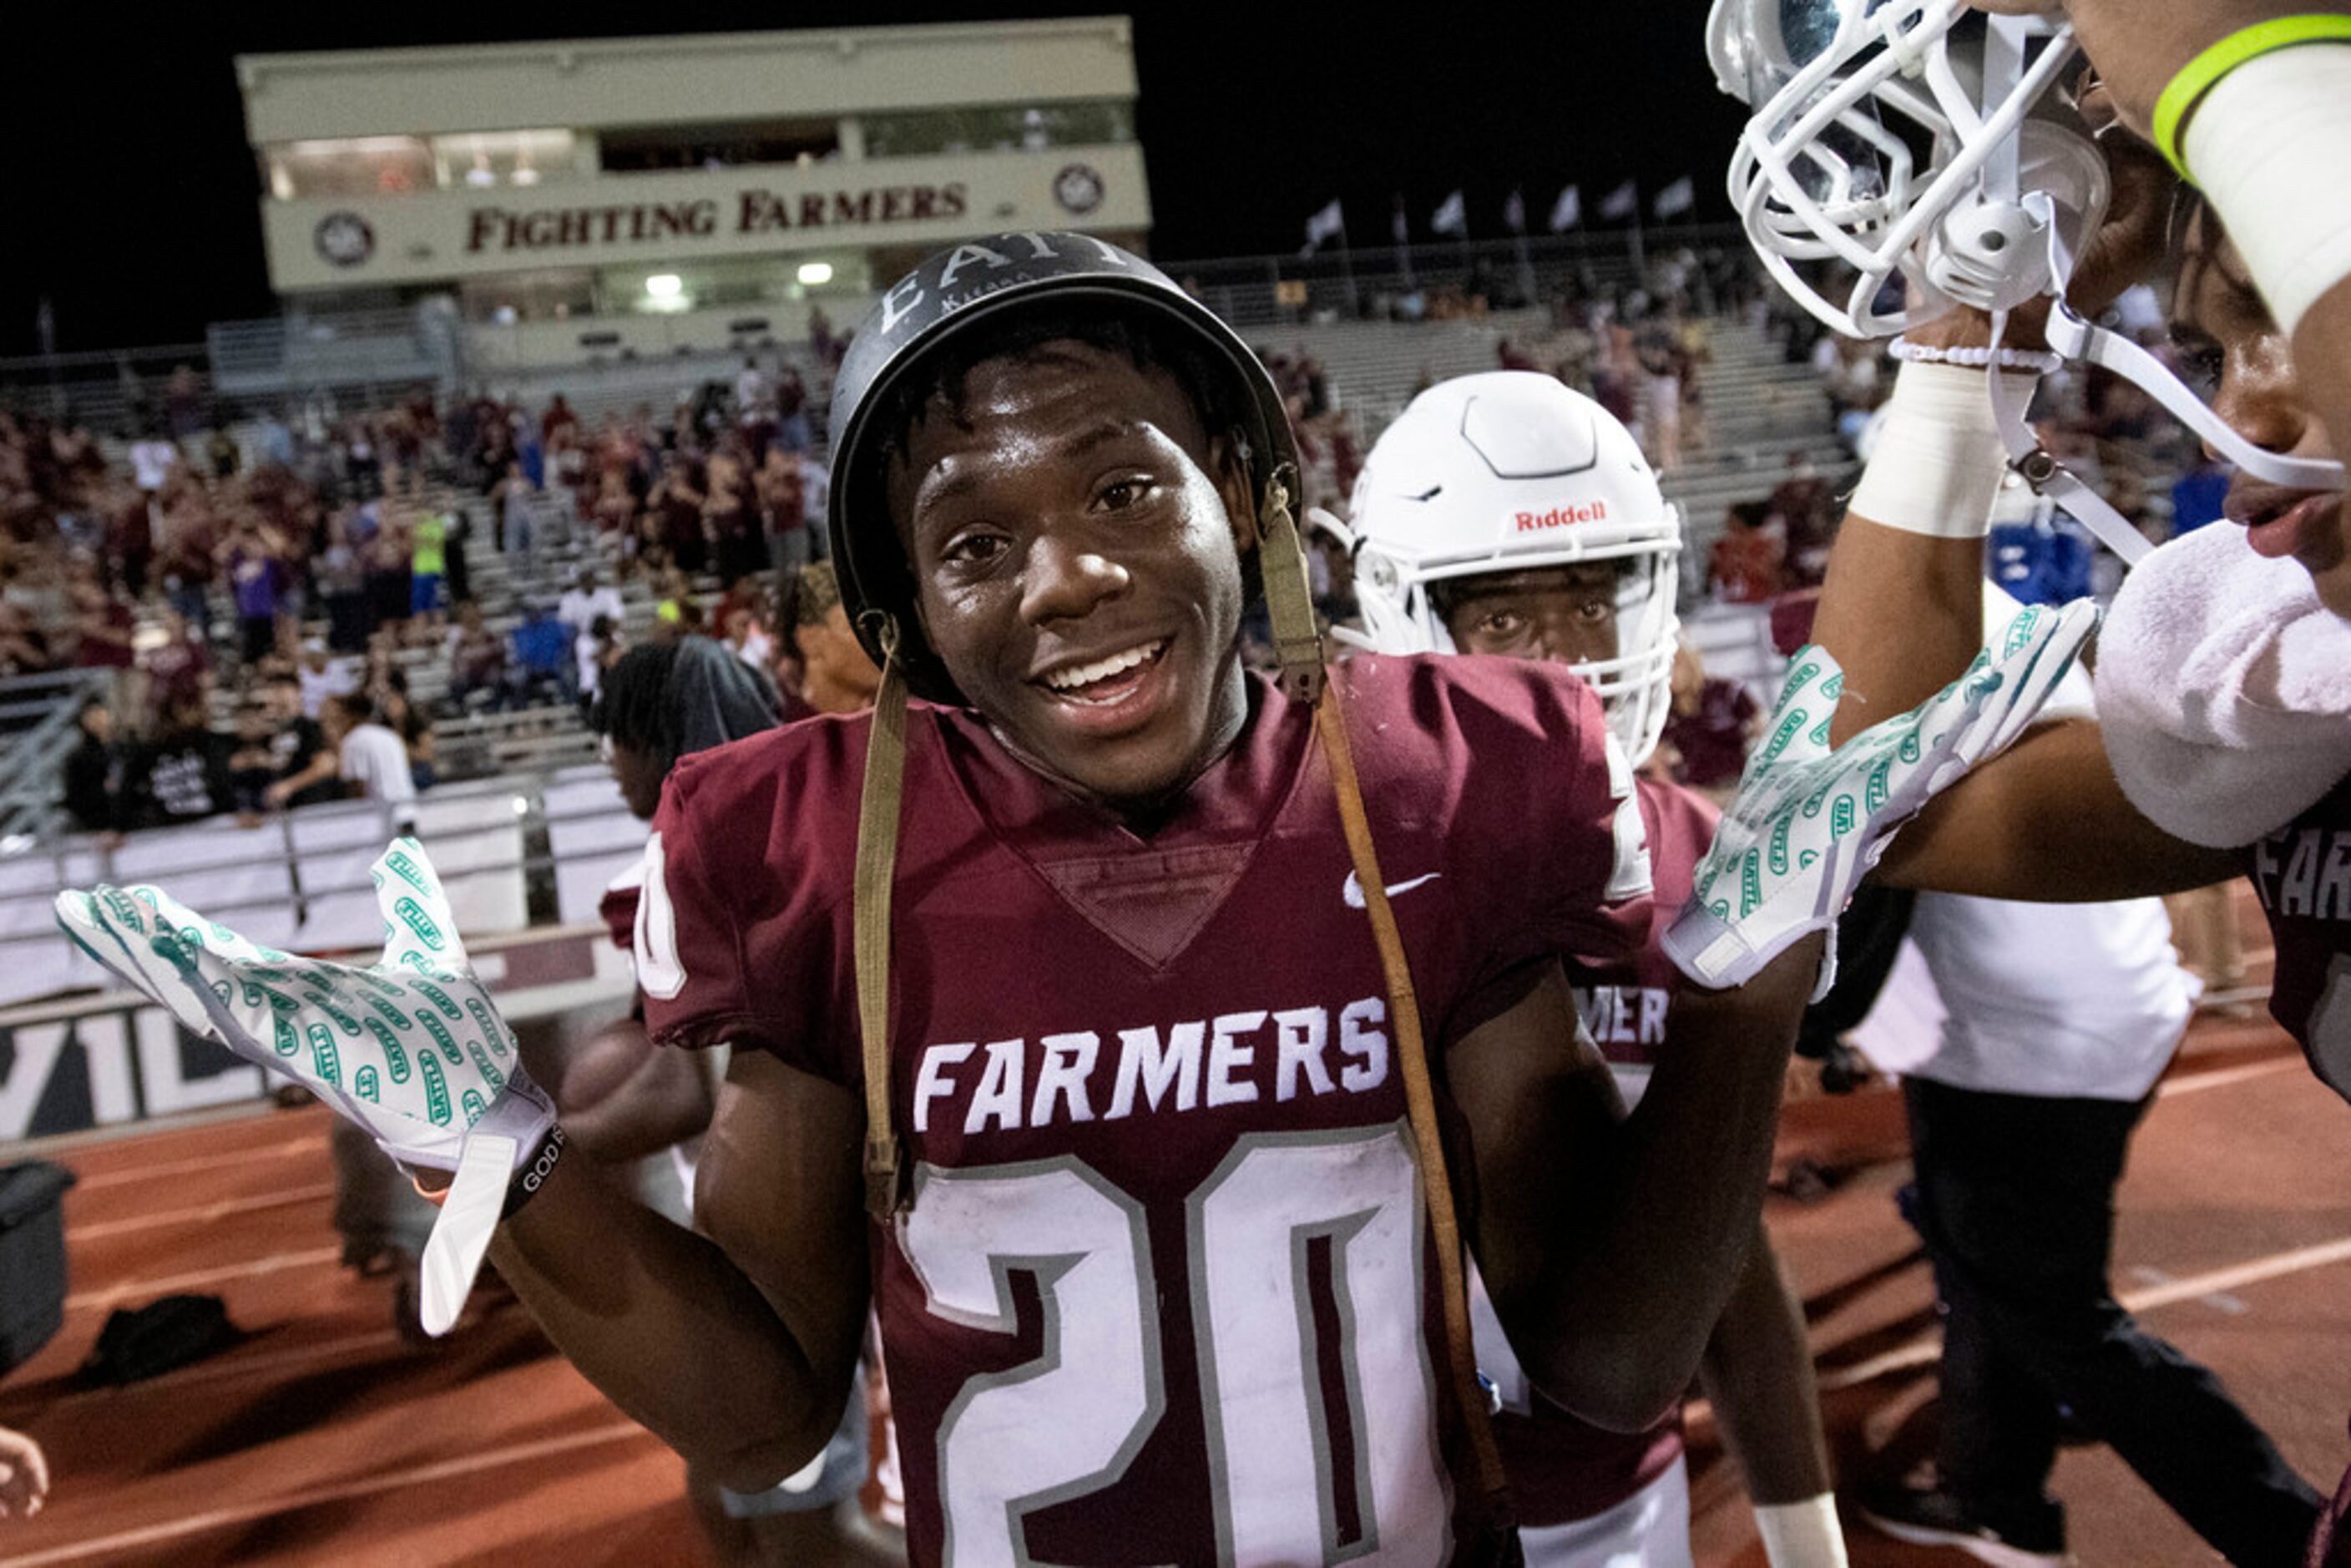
2016,1199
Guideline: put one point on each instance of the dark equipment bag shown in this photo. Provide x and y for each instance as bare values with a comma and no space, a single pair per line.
32,1257
139,1343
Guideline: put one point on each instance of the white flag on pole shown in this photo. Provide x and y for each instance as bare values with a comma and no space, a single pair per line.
1452,218
1624,202
1678,197
1568,211
1323,226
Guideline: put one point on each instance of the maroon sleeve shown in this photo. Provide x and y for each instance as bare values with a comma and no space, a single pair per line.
735,934
1543,824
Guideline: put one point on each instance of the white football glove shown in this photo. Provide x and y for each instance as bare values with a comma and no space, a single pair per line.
410,1047
1808,823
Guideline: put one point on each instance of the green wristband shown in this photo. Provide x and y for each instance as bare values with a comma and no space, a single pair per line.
2204,72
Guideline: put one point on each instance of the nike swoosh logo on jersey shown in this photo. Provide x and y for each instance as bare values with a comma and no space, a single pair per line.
1354,891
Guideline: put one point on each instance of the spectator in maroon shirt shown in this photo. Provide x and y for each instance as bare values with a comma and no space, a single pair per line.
558,416
1708,730
178,670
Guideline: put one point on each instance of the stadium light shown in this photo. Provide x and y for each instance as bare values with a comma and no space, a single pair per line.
816,273
664,285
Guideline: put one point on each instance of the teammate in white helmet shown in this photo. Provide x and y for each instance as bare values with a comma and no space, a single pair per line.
1504,514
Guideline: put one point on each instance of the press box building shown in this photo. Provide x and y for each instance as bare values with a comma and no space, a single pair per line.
661,195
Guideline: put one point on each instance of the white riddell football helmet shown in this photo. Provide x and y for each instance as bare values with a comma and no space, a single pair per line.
1922,143
1509,471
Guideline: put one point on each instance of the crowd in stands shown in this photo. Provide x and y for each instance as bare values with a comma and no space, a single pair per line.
275,584
246,606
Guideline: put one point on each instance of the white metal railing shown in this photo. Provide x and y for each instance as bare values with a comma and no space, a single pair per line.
300,881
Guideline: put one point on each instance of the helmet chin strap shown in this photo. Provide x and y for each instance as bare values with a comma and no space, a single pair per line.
2083,342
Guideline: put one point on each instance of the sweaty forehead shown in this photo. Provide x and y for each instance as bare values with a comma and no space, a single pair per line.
1056,400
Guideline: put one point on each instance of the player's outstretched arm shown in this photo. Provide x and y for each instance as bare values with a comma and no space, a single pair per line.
737,1345
2045,822
621,1096
1609,1253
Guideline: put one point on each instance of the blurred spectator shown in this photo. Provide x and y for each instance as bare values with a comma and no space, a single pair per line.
477,660
750,388
558,420
23,650
103,630
178,670
94,773
595,650
781,483
585,602
152,460
304,760
221,452
428,570
253,558
791,410
1749,562
322,676
836,675
386,552
544,662
253,760
340,574
1710,728
401,715
731,519
369,757
182,774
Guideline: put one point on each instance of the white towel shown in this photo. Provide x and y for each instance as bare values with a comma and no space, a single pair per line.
2224,688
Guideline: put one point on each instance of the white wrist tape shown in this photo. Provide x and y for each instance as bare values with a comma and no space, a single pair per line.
2271,145
1939,460
1802,1535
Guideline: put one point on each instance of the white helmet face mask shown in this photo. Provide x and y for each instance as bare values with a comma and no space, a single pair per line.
1509,472
1921,143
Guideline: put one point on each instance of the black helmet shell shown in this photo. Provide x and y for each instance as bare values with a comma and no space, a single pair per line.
967,288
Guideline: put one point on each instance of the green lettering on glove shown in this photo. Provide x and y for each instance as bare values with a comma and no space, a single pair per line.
439,998
395,1056
482,1064
441,1037
426,929
436,1090
323,1052
492,1029
343,1021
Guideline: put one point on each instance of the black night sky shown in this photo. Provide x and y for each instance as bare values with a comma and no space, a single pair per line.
130,192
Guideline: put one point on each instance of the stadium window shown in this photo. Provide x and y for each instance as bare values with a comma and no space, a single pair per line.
353,166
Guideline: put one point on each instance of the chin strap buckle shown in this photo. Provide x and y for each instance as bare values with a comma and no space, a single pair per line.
1289,601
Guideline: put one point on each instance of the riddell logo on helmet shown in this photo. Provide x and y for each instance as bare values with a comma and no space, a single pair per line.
1562,517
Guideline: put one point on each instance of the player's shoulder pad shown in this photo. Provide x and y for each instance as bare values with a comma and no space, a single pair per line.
1507,708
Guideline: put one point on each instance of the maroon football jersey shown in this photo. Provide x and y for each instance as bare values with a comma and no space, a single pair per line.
1164,1294
2302,873
1623,1003
1563,1468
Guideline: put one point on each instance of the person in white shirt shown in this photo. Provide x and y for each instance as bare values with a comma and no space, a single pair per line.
151,457
582,603
323,676
2058,1021
370,756
816,496
750,391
